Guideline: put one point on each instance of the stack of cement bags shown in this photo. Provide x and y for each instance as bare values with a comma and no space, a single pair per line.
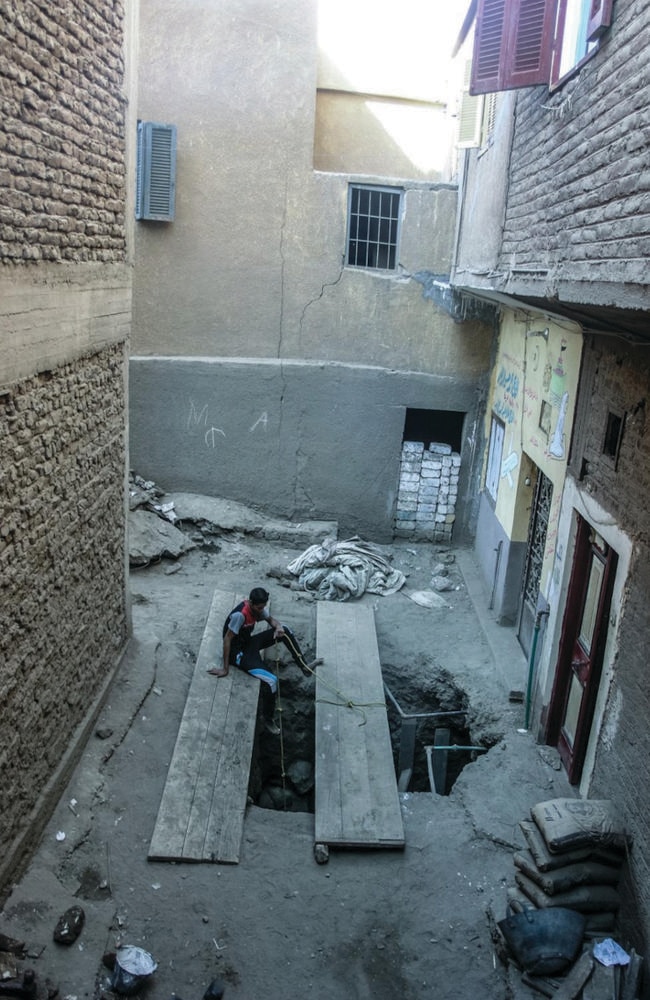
574,852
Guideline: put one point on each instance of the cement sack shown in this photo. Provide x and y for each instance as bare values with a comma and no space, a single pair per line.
566,824
569,877
547,861
584,898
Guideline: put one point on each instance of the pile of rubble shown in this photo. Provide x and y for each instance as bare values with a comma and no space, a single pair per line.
565,900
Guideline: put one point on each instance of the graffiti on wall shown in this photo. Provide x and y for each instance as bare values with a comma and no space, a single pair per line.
199,417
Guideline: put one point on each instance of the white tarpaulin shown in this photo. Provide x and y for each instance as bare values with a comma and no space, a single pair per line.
338,571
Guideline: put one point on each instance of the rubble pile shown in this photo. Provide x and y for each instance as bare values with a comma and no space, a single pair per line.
565,900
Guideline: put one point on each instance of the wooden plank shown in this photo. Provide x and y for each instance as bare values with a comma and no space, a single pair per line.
202,808
357,803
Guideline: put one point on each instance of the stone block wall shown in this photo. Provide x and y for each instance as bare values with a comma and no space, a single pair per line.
63,620
62,142
428,491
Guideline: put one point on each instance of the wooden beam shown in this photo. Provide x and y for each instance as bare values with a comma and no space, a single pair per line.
357,803
201,813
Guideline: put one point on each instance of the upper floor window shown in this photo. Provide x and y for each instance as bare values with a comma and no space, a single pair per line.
522,43
373,226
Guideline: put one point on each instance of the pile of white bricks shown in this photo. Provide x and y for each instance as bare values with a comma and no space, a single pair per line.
428,490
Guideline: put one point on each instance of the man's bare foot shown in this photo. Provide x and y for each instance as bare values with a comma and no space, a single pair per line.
217,673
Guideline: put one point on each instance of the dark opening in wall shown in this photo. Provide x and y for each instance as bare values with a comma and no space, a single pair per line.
613,435
442,426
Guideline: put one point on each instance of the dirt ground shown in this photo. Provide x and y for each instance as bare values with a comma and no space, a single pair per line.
383,924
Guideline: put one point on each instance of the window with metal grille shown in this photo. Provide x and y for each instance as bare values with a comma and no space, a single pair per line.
373,226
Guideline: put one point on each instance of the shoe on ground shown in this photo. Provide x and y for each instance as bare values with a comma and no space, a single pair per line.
272,727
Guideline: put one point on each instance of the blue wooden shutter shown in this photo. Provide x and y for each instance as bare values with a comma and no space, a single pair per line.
513,44
156,172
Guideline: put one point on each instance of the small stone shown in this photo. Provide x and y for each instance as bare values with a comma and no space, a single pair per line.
321,854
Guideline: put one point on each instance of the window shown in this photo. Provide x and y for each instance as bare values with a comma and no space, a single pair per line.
613,435
495,453
373,226
477,115
155,172
523,43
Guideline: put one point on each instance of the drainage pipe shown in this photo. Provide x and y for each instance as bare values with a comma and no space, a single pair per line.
531,665
497,563
419,715
429,752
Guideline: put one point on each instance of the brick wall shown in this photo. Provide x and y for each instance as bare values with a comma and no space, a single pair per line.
62,170
591,133
62,607
619,381
64,313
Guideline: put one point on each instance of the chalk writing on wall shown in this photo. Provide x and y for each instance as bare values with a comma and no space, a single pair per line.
196,417
262,421
210,436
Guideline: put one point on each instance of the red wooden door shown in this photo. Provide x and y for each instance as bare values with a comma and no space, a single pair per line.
582,645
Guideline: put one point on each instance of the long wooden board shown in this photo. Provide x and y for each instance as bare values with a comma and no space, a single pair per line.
201,813
357,803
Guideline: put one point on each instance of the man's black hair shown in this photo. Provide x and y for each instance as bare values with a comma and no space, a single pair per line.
258,595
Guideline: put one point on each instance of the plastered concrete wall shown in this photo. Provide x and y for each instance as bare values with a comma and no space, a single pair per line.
252,265
251,272
65,300
293,438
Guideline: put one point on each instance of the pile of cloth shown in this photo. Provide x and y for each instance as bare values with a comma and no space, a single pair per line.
339,571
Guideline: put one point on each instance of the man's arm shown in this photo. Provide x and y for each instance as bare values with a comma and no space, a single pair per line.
227,640
276,626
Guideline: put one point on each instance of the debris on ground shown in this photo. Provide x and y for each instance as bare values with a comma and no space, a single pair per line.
69,925
339,571
566,898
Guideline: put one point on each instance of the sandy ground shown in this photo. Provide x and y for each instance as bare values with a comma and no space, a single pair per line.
381,924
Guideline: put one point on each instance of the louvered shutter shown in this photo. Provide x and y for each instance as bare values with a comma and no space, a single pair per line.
156,172
470,115
513,44
600,18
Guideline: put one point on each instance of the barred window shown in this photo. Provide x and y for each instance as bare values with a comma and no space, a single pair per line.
373,226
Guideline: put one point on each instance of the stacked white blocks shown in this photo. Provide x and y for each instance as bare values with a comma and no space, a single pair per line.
428,491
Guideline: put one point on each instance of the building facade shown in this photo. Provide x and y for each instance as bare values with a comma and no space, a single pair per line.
292,320
556,231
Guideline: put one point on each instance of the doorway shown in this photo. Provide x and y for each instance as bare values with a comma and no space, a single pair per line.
582,646
535,548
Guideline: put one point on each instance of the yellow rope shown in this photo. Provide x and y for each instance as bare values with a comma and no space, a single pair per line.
280,710
343,702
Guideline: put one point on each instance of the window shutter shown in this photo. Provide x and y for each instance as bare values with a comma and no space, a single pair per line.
156,172
513,44
470,115
600,18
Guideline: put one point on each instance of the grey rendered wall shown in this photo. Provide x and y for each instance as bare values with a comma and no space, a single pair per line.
501,561
297,439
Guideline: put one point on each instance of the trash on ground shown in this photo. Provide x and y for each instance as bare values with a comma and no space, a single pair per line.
338,571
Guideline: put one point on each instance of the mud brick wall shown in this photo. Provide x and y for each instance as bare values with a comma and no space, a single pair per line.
619,381
63,620
591,132
62,168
